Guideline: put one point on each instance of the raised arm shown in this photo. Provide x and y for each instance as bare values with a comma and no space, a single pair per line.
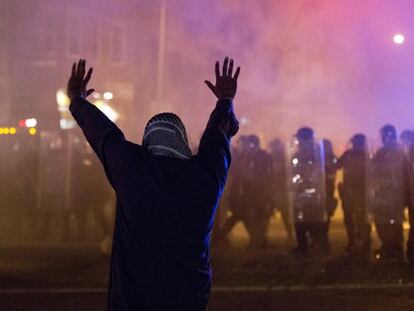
222,125
103,135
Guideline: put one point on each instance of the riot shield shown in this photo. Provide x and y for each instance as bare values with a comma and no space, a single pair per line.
280,183
388,186
307,182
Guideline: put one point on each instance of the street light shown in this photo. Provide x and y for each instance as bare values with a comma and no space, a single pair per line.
399,39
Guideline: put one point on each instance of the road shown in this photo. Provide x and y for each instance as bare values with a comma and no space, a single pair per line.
56,277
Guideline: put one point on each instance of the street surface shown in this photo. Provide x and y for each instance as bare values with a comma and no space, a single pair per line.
40,277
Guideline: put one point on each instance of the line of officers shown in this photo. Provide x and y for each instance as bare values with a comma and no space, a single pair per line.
54,191
300,183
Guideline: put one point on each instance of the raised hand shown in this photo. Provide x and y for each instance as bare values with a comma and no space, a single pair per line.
78,82
226,83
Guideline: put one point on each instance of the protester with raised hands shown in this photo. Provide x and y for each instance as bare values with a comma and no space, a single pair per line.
166,197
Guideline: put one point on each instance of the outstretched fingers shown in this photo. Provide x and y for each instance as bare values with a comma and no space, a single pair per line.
210,86
82,68
217,69
89,92
78,68
230,73
88,77
73,70
236,75
225,66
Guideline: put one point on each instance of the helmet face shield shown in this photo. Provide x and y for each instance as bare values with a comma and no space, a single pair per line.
388,135
359,142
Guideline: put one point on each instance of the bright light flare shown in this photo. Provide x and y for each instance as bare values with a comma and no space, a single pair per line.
62,100
110,112
399,38
108,95
32,122
66,124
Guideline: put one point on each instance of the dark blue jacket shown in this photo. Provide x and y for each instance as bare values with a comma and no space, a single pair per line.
164,214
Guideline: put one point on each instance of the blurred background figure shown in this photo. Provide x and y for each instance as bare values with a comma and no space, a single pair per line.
89,193
353,194
249,194
232,200
258,192
280,185
51,202
407,141
18,170
330,178
308,185
390,194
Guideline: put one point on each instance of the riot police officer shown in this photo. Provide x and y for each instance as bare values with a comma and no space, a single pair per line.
308,194
353,193
250,192
407,140
232,200
390,194
257,192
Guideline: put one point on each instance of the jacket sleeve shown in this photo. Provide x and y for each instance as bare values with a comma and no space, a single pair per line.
214,149
105,138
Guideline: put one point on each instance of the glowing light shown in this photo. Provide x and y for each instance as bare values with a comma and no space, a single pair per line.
108,95
244,120
31,122
107,110
32,131
62,100
66,124
295,161
22,123
399,38
1,131
6,131
13,130
296,178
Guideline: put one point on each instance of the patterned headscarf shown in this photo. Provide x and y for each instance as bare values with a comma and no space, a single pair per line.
165,135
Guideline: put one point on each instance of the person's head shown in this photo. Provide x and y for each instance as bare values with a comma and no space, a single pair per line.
276,146
165,135
407,137
388,135
242,143
254,142
359,142
305,137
